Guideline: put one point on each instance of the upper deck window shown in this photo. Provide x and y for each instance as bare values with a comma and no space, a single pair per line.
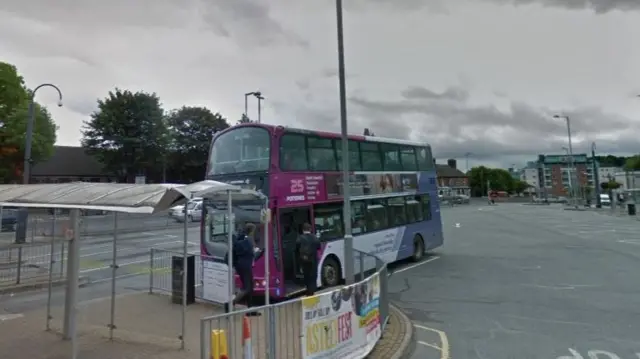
309,152
244,149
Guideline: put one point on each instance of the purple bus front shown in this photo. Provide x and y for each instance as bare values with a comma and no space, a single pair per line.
241,155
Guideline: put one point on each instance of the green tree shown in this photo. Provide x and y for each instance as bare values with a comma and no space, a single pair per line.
128,134
496,178
520,186
244,119
191,130
14,115
632,163
611,185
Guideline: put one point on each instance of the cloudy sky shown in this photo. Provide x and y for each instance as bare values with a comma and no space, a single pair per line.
477,76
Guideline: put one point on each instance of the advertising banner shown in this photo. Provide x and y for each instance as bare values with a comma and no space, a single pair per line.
344,323
372,184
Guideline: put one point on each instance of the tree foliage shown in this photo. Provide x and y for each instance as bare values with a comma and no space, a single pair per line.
14,115
191,130
632,163
244,119
610,185
498,180
127,133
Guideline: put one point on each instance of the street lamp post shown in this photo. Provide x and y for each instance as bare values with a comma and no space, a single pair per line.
26,171
566,118
346,182
26,174
569,173
256,94
596,177
466,164
260,99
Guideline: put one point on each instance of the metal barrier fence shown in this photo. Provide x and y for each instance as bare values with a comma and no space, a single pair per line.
32,262
297,328
42,226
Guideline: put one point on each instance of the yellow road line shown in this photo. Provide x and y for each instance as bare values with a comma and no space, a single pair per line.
444,349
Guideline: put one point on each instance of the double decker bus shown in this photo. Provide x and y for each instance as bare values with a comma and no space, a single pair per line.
394,199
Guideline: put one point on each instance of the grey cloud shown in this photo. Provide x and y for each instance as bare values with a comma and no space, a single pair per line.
438,6
454,127
418,92
248,20
598,6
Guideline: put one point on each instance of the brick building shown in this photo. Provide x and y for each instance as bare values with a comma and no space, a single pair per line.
554,174
450,176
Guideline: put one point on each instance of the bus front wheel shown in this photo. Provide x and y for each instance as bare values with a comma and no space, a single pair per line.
330,274
418,248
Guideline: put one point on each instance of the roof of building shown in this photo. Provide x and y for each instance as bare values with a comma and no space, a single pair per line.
68,161
447,171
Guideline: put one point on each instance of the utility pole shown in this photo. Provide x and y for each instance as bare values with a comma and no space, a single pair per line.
596,177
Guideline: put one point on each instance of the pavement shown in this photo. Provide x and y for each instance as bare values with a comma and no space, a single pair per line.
517,281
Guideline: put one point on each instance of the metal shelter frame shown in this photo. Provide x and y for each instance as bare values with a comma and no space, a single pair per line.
118,198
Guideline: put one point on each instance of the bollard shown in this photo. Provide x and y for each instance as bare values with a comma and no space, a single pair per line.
246,339
219,344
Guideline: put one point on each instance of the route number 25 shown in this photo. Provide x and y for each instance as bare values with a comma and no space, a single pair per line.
592,354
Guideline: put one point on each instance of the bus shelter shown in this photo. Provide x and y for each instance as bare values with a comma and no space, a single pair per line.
118,198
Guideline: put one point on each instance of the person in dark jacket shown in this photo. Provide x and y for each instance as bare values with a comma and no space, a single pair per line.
307,247
243,254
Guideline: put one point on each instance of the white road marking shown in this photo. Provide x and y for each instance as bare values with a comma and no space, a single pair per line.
416,265
6,317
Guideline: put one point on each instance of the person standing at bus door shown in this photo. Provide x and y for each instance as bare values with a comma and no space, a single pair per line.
307,247
243,254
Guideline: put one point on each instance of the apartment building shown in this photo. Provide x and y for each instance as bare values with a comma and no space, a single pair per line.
556,176
529,175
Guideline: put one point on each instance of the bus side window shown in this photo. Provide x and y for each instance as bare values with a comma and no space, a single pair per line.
414,209
426,206
358,218
396,211
377,218
328,221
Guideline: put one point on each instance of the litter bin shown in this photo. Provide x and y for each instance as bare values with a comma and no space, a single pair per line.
177,266
631,209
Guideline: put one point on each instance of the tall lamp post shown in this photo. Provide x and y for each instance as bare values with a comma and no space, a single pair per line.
466,158
26,172
566,118
346,183
260,99
596,177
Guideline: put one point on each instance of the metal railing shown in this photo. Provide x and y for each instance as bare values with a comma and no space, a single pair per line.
298,328
32,262
42,226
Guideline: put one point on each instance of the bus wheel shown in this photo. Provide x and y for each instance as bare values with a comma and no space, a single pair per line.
330,274
418,248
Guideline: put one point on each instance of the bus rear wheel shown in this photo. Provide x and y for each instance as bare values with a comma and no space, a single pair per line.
330,272
418,249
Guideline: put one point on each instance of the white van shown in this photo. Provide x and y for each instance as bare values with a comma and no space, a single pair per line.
605,200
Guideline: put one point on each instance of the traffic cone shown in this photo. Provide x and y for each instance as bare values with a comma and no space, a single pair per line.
246,338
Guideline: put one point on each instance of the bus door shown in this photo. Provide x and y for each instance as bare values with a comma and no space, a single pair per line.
290,224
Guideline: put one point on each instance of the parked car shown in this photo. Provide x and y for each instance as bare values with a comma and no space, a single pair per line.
9,220
194,211
461,199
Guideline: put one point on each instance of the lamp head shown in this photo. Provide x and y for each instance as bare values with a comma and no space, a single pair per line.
60,103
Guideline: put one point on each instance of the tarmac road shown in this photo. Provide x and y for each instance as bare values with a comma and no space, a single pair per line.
521,282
